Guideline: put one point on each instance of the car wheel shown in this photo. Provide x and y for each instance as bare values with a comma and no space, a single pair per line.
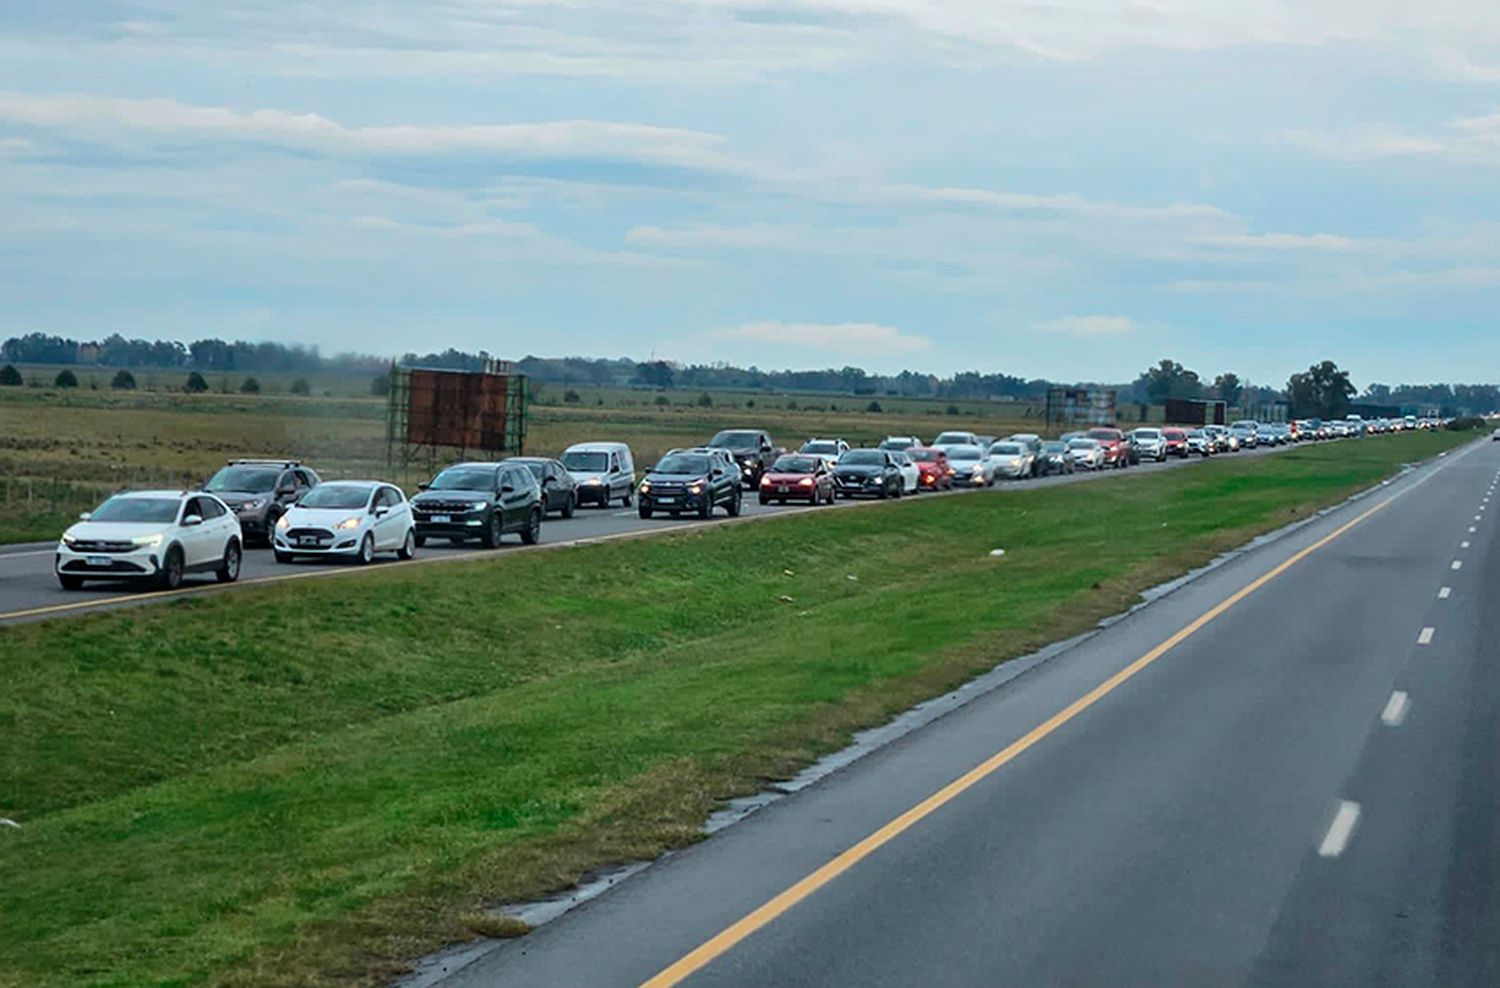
408,546
229,568
70,582
532,533
170,577
629,496
281,557
366,550
420,540
570,505
645,512
706,509
737,503
493,531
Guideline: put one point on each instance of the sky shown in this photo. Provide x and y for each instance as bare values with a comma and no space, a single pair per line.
1071,189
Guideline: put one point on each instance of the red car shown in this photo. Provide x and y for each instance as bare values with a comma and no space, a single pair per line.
933,471
797,477
1116,446
1177,444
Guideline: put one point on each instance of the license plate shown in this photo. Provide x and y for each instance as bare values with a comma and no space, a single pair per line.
442,519
665,500
308,540
781,489
97,560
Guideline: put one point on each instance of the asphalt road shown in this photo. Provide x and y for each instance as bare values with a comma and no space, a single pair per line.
29,589
1283,773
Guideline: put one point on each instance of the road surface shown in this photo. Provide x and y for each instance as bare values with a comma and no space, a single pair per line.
1281,774
29,590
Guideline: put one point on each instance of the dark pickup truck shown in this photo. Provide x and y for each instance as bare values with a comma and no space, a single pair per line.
752,449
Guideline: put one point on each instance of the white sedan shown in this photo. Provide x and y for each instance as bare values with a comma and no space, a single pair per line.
911,474
353,519
1012,459
1086,453
156,536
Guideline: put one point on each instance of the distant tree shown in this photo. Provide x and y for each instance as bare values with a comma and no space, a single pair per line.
571,397
1323,390
123,380
662,401
791,406
705,400
250,386
656,374
380,385
300,387
1169,379
65,379
10,377
195,385
1378,394
951,410
874,407
1229,388
749,402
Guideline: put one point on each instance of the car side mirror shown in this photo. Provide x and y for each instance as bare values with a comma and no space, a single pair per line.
424,485
381,511
718,472
85,515
192,520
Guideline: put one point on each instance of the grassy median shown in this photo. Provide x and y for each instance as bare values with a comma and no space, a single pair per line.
312,784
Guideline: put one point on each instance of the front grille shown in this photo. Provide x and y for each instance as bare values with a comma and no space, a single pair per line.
670,490
114,566
441,507
100,545
319,537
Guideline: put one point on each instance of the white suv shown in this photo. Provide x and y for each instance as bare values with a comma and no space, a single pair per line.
152,535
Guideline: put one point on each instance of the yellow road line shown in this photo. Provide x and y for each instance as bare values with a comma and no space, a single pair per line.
726,939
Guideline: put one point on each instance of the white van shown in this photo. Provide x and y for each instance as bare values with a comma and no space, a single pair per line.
602,472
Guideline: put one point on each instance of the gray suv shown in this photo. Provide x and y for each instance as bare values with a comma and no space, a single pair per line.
259,492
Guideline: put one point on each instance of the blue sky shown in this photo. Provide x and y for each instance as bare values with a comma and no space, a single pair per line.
1070,190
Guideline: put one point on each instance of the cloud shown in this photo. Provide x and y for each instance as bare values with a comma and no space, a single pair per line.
1328,242
1090,326
1366,143
563,139
855,339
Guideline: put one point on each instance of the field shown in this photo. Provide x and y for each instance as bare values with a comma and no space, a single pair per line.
62,450
313,784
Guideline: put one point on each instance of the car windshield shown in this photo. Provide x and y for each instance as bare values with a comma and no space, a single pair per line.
139,509
862,458
964,453
897,442
337,496
1082,444
1006,449
952,437
586,462
251,480
692,463
538,470
461,479
1104,434
735,439
1054,447
924,455
1147,434
794,464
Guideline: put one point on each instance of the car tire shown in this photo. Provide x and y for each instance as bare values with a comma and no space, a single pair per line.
737,502
571,505
645,512
494,530
366,554
706,510
408,546
281,557
69,582
629,496
532,533
229,566
170,577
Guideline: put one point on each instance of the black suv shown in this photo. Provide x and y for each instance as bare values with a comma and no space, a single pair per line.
752,450
559,490
481,501
696,480
260,491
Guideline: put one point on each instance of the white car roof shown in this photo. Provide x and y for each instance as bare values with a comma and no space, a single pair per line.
357,483
597,447
179,493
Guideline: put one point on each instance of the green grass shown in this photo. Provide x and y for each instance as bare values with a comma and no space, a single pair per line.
314,783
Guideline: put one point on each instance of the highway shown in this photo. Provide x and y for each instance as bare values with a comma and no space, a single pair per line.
1282,773
29,589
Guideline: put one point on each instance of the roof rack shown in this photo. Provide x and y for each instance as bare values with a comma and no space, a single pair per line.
268,460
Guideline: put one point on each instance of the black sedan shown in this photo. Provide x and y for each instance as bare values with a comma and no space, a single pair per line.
559,491
867,473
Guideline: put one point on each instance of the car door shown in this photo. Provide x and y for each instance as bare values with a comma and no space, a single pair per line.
194,538
512,498
382,524
397,518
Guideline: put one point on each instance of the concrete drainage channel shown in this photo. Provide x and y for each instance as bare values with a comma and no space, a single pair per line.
434,969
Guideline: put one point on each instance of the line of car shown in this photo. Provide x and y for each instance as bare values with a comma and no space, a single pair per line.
161,536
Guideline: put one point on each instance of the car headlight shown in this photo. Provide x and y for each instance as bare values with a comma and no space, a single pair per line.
254,505
349,523
146,541
595,482
696,487
68,538
805,482
283,523
645,485
476,506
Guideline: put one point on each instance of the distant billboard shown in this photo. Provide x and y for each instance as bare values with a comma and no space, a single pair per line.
1194,411
1085,406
